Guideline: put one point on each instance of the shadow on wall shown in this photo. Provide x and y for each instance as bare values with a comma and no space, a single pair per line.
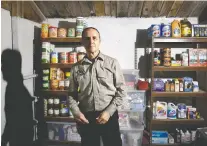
18,130
66,24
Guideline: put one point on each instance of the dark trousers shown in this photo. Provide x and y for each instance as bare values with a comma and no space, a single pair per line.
91,133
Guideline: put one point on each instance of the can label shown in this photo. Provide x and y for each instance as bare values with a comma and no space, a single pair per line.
64,57
54,57
44,30
71,32
72,57
166,32
155,30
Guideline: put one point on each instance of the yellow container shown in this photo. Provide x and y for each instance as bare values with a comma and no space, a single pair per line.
44,30
176,28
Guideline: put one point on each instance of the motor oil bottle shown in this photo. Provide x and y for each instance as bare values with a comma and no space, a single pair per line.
176,28
186,28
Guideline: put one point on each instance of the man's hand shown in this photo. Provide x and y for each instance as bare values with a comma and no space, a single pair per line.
81,119
103,118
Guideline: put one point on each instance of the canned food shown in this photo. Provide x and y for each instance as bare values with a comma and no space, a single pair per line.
71,32
54,57
54,84
72,57
46,45
45,57
61,85
79,31
61,32
167,52
56,112
45,85
167,62
155,30
46,71
79,21
45,78
63,57
53,32
44,30
50,112
165,30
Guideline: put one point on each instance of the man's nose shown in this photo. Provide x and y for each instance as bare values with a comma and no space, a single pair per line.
91,40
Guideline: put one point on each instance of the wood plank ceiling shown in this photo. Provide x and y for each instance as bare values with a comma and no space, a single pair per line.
72,9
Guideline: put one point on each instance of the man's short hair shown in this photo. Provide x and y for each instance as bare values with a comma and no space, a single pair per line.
87,28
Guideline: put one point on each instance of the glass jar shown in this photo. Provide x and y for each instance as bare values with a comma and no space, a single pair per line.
67,80
61,84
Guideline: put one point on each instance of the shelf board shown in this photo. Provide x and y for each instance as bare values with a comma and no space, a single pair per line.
56,65
175,144
180,68
180,40
179,94
55,92
56,142
62,40
59,119
178,121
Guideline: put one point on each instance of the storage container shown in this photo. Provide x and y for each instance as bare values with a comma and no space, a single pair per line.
131,77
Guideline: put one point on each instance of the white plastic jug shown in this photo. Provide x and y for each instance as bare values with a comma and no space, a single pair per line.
171,111
161,110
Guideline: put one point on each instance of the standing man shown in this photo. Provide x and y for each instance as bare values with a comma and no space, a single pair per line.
96,90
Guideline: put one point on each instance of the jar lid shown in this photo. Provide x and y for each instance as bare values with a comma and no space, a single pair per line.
67,74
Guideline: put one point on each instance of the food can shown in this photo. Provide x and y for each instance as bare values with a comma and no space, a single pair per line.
167,52
71,32
45,56
53,32
44,30
72,57
167,62
54,84
46,71
63,57
45,78
79,21
45,85
54,57
165,30
155,30
79,31
62,32
46,45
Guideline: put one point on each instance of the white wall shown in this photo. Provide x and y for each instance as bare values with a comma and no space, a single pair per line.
119,35
6,42
23,35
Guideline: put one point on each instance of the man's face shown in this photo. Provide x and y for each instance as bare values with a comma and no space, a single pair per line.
91,41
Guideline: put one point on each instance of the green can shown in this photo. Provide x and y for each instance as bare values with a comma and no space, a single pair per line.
71,32
45,85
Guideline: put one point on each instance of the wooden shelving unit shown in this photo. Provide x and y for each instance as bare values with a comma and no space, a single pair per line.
57,93
180,68
56,65
174,43
62,40
59,119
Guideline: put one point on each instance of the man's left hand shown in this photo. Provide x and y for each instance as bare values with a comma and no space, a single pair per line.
103,118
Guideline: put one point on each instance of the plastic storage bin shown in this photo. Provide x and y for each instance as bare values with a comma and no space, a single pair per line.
131,77
130,120
63,131
132,138
134,101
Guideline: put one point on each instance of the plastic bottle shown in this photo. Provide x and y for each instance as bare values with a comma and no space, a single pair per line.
178,136
171,111
176,28
182,136
187,137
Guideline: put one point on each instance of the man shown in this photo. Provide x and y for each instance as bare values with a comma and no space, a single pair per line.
96,90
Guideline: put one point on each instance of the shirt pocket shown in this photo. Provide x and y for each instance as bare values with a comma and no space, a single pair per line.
105,79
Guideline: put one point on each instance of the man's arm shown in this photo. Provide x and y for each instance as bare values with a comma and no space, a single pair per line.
120,89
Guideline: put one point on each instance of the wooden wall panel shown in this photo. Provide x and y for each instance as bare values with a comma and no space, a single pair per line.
114,8
85,9
107,8
156,8
99,8
186,8
147,6
166,8
122,8
135,8
175,8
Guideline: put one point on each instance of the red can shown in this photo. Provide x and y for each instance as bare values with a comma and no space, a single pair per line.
63,57
72,57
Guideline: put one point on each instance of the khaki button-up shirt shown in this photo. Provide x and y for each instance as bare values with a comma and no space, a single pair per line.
96,86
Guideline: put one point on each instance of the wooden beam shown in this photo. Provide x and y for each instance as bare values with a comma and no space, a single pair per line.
175,8
122,8
16,8
37,10
186,8
198,8
99,8
147,6
166,8
156,8
6,5
135,8
43,8
107,8
86,12
203,16
114,8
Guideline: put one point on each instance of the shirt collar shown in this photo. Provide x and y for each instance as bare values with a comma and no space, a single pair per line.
100,57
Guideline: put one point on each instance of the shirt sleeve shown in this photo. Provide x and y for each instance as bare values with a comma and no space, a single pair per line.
73,94
120,93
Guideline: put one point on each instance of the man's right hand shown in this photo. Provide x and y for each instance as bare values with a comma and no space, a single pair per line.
81,119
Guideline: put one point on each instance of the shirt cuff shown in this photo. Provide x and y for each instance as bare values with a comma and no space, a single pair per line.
111,109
